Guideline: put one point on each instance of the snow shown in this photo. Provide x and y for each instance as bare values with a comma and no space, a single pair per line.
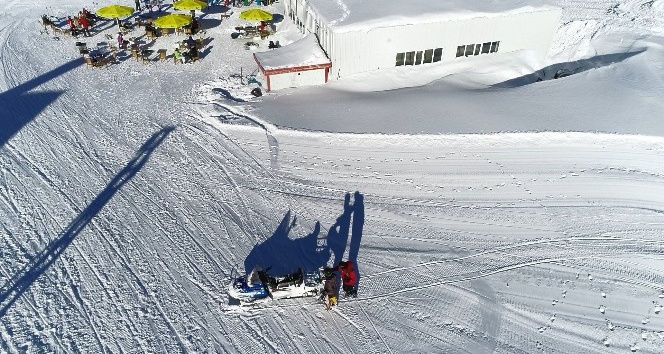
487,212
304,52
361,14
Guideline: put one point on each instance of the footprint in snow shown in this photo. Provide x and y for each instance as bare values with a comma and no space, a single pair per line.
610,325
602,308
542,329
590,277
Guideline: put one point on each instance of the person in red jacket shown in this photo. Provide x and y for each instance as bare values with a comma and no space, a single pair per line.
85,24
349,278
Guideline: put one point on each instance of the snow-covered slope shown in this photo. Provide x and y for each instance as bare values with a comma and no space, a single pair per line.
130,194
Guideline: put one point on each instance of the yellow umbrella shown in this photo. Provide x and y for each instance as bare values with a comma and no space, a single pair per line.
256,15
172,21
115,11
190,5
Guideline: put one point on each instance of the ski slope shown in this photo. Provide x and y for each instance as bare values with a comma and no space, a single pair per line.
130,196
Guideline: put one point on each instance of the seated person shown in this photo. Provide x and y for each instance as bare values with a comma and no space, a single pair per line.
191,42
193,53
177,54
194,26
46,21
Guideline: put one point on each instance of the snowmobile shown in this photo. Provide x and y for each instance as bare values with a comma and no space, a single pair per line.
259,285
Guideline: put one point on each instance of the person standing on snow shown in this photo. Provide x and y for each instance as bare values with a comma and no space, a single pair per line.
85,25
349,278
330,287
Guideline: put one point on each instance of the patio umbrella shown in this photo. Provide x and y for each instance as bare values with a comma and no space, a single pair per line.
172,21
115,12
256,15
191,5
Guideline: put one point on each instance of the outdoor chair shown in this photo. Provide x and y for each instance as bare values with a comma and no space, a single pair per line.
165,31
200,43
226,15
162,54
135,53
89,62
150,34
145,55
99,63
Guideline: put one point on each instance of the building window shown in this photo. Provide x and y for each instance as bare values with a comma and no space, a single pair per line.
400,58
422,56
477,49
410,58
470,48
485,47
460,50
437,54
418,58
428,56
494,46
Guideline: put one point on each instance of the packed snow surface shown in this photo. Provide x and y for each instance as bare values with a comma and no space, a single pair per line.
487,212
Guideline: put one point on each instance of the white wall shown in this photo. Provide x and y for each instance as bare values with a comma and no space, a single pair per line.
357,52
297,79
368,50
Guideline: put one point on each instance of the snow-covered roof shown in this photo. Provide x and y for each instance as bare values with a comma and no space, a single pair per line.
302,53
347,15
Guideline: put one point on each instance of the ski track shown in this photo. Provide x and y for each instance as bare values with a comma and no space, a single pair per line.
149,272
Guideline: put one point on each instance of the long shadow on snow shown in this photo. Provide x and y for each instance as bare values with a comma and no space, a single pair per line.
14,288
20,107
356,239
283,255
560,70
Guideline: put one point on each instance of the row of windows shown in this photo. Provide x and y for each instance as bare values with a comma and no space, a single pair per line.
476,49
419,57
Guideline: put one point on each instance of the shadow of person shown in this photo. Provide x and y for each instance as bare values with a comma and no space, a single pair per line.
356,232
337,236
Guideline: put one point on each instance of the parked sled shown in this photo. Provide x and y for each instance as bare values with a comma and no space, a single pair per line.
259,285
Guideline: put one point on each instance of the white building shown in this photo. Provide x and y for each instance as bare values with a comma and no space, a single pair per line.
365,35
301,63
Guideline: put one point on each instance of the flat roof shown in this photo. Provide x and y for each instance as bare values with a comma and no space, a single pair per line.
302,53
352,15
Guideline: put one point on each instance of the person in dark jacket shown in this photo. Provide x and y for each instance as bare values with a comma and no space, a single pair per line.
330,287
349,278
